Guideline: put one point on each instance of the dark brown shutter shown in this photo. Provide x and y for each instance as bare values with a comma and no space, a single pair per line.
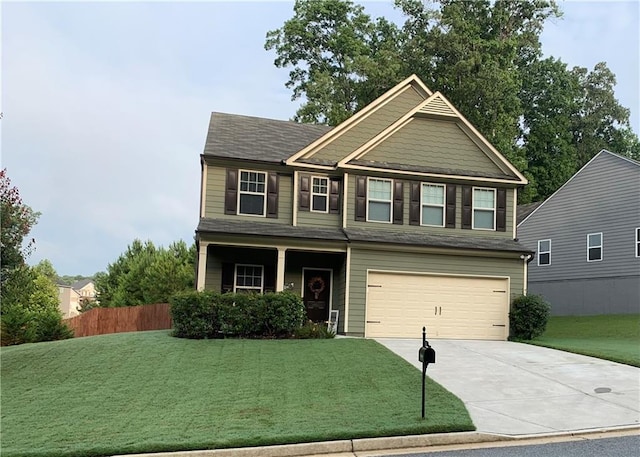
334,196
228,270
398,202
272,194
231,192
304,194
269,278
361,198
467,199
501,210
414,204
451,206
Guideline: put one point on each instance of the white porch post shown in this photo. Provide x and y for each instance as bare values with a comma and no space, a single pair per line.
280,270
202,265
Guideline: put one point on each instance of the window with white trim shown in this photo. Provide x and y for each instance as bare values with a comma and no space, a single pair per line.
638,242
249,278
379,197
594,247
484,208
320,194
252,195
544,252
432,206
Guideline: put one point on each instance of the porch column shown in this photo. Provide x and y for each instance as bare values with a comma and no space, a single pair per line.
280,270
202,265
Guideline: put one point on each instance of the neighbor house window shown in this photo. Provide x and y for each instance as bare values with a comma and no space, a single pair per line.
252,194
379,200
320,194
544,252
484,209
638,242
433,204
594,247
249,278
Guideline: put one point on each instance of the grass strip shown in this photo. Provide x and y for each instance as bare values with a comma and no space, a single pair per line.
610,337
150,392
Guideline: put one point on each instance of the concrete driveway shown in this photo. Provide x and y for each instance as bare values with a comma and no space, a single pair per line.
518,389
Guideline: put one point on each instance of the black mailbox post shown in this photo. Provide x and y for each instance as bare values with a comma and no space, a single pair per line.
426,355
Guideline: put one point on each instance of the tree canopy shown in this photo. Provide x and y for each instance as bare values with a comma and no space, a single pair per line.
146,274
484,56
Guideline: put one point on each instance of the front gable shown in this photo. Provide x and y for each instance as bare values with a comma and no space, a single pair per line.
434,138
364,125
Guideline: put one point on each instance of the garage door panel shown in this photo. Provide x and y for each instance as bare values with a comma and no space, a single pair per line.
399,305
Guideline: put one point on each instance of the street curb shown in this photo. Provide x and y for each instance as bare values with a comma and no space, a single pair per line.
381,444
337,447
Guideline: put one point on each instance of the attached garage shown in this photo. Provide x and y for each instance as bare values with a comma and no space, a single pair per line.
462,307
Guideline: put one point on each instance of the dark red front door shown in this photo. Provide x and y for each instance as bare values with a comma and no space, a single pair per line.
317,291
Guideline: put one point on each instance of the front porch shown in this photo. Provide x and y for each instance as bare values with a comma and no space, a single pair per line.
318,274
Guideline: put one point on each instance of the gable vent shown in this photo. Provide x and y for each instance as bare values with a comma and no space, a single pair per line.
438,107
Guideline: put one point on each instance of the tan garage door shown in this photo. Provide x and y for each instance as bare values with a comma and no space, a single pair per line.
400,304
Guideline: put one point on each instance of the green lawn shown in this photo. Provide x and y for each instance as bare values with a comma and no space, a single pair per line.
146,392
615,337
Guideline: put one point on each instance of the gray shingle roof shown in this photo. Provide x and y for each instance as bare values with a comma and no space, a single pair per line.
265,229
80,284
440,241
522,211
255,138
227,226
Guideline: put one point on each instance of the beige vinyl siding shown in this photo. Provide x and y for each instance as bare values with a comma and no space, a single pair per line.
432,143
369,127
214,205
363,259
351,222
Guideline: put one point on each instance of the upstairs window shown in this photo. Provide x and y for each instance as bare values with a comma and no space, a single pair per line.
594,247
252,194
379,198
638,242
320,194
544,252
484,208
432,205
249,278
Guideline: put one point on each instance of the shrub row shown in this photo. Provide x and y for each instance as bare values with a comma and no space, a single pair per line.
208,314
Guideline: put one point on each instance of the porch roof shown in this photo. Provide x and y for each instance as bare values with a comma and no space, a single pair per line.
231,227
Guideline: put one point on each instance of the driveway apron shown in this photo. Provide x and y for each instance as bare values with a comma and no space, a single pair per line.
518,389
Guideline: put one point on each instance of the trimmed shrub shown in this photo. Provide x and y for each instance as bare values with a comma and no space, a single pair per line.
282,314
528,317
314,330
51,327
194,314
207,314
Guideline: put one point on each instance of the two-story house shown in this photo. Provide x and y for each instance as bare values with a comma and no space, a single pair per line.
587,239
400,217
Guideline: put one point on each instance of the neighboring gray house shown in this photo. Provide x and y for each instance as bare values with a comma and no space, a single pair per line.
587,240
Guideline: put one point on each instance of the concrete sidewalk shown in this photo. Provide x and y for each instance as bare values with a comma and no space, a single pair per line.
518,389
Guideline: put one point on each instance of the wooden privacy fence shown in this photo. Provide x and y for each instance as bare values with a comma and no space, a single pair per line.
100,321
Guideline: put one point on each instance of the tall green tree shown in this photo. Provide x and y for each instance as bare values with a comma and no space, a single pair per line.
600,121
549,98
332,47
17,219
146,274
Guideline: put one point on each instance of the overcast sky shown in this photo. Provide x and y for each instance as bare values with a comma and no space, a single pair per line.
106,106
